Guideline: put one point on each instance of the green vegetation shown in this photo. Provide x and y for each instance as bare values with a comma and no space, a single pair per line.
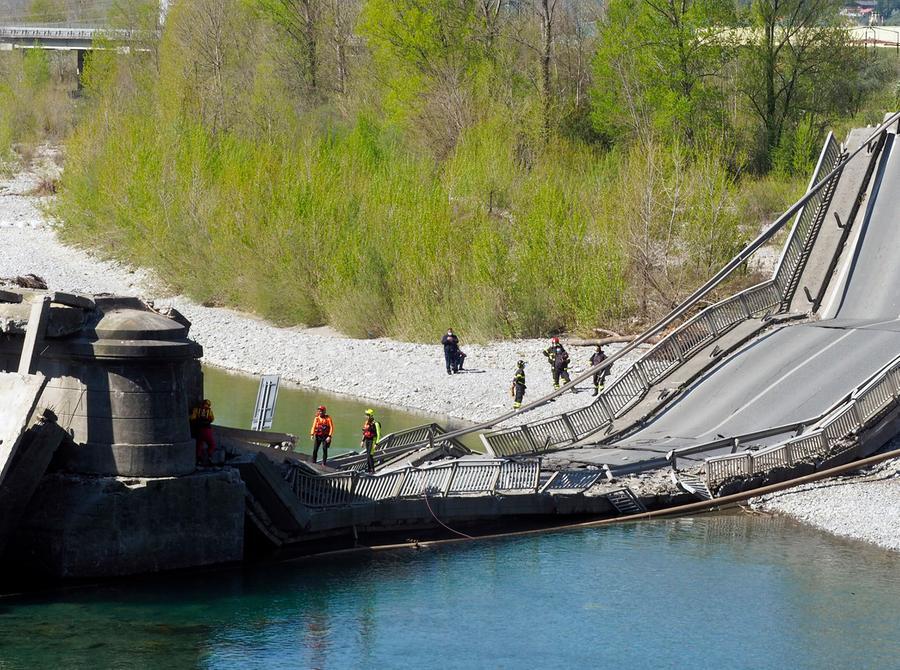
511,168
34,101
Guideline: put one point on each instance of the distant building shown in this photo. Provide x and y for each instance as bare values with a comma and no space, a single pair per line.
862,12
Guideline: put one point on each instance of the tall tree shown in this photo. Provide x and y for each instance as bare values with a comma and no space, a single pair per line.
659,64
795,48
428,56
300,20
546,10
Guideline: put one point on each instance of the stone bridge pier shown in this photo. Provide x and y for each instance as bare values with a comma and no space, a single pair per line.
122,494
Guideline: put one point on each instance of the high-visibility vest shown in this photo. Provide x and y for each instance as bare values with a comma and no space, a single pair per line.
203,415
322,426
371,430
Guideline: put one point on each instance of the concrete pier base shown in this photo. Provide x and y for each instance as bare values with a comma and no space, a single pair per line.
82,526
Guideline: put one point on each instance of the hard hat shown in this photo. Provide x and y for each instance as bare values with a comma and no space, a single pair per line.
321,408
521,364
555,340
370,412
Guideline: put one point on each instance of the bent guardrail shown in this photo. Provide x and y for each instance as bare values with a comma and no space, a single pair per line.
830,436
629,388
402,442
455,478
806,227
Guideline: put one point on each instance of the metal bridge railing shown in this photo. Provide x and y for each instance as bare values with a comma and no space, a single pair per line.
57,33
628,389
834,434
807,224
455,478
399,443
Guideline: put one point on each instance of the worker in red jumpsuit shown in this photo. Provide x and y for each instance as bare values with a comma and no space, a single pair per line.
202,418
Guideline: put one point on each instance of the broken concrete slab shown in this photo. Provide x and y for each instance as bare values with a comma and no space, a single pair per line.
284,512
10,296
63,320
27,444
78,300
18,397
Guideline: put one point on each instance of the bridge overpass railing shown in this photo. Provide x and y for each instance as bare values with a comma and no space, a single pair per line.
831,436
70,37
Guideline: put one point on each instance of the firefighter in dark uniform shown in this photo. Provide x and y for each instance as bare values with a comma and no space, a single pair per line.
518,385
559,361
599,377
451,351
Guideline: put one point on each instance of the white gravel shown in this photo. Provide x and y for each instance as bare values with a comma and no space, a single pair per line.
382,370
864,506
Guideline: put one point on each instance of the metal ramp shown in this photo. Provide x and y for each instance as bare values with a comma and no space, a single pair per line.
625,501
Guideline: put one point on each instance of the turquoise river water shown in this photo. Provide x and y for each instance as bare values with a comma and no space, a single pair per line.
715,591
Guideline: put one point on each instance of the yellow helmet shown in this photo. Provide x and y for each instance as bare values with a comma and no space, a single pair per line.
370,412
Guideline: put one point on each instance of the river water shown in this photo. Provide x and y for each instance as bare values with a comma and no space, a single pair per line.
715,591
234,395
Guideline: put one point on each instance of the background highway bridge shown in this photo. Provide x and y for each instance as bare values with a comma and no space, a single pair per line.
71,37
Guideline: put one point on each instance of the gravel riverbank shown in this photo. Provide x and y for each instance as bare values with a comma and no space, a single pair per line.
864,506
381,370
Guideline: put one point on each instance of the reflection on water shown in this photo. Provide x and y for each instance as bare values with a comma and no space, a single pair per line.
727,591
234,395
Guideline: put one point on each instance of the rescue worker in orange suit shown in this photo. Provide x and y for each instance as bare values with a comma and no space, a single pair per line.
320,433
202,418
371,432
599,377
558,358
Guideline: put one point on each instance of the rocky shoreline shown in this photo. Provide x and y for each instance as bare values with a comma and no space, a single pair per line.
862,505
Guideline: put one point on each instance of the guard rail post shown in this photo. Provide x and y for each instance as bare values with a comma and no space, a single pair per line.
401,481
496,478
568,422
526,431
453,469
